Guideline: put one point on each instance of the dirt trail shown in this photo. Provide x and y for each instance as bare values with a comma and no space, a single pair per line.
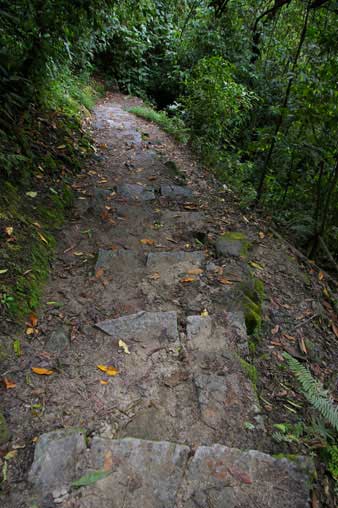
137,263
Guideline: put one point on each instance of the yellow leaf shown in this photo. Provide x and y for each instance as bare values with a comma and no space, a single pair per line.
256,265
41,371
147,241
29,330
261,235
326,293
3,270
10,455
43,238
204,313
124,346
8,383
225,281
9,230
78,253
187,279
321,275
37,225
195,271
107,369
103,382
154,276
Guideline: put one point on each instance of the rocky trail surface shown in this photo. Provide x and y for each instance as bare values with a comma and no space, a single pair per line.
145,328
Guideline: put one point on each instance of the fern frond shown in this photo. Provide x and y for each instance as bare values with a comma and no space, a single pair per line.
314,391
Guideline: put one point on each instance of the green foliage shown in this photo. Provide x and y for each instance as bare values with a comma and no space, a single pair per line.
332,463
314,391
171,125
215,105
250,370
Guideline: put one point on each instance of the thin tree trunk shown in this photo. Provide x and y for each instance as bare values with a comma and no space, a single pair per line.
284,106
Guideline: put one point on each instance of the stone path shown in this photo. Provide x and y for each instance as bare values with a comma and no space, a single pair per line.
180,424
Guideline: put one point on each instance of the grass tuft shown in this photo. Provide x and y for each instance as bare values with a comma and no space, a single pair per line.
172,125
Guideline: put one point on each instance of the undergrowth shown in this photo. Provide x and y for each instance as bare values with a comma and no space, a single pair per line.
171,125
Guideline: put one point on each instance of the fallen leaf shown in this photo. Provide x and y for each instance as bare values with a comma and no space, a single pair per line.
302,346
8,383
242,476
103,382
29,330
9,230
185,280
108,461
31,194
289,337
321,275
261,235
326,293
43,238
204,313
195,271
103,146
256,265
275,330
190,206
10,455
33,320
99,273
78,253
3,270
107,369
41,371
124,346
154,276
90,478
147,241
335,329
225,281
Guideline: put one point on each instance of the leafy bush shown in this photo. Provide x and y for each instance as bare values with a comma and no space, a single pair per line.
172,125
216,107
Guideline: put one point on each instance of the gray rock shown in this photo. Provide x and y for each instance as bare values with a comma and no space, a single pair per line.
4,431
143,326
143,473
193,221
172,264
232,244
175,191
56,459
118,261
99,199
136,191
58,340
221,477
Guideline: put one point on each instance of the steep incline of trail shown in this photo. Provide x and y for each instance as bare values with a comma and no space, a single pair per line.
154,296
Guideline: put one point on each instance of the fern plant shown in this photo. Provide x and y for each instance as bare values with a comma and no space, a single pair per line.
314,391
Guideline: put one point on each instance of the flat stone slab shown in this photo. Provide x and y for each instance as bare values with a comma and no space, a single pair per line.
232,244
210,334
193,221
56,459
221,477
136,192
119,261
172,264
175,191
99,199
58,340
143,326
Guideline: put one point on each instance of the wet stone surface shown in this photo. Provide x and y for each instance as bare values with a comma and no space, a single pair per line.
136,192
175,192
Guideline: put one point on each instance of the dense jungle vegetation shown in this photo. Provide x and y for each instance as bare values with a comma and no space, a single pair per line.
251,85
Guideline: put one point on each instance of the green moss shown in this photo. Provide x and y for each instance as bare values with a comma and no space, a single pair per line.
332,460
253,297
238,237
289,456
4,431
250,370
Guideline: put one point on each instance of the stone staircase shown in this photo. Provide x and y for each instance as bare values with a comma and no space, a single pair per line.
184,419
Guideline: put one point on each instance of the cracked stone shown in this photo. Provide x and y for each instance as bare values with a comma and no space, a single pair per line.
175,191
143,326
135,191
55,459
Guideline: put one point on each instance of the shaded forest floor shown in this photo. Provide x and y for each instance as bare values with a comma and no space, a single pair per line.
142,236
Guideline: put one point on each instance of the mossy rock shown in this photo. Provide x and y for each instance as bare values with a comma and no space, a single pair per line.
4,430
253,297
250,371
232,244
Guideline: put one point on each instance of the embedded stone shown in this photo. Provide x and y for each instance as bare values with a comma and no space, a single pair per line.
136,191
172,264
175,191
232,244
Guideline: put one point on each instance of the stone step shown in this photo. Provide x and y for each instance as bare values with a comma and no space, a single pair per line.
136,192
176,192
190,221
172,265
162,474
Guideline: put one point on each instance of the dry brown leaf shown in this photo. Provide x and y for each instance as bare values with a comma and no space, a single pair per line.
147,241
43,238
289,337
154,276
108,461
9,230
261,235
335,329
186,280
275,330
195,271
225,281
190,206
321,275
107,369
103,382
41,371
99,273
33,320
302,346
8,383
